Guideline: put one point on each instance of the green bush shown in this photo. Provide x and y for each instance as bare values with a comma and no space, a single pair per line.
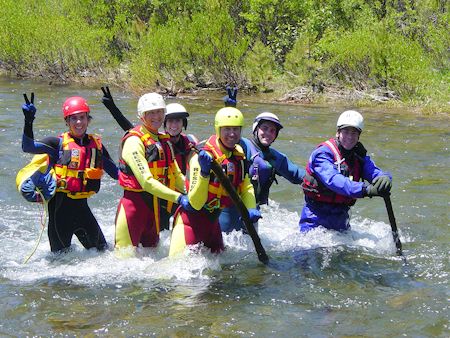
374,56
48,38
183,52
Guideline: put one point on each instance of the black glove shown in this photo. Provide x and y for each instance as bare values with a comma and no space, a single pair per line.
28,108
382,183
230,100
108,101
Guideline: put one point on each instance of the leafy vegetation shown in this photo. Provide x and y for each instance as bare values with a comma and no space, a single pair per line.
397,47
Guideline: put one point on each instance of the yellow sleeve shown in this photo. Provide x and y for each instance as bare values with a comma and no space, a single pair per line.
198,185
133,153
247,193
179,177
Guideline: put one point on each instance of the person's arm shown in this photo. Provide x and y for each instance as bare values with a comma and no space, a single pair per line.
247,193
48,145
133,153
322,164
179,177
109,165
284,167
109,103
370,170
198,184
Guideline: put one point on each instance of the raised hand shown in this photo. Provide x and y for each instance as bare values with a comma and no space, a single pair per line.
107,98
28,108
230,100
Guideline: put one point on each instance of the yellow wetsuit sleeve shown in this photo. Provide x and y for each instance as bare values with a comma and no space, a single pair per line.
133,153
179,177
198,185
247,193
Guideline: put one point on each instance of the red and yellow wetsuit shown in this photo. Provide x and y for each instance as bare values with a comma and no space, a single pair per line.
147,169
208,196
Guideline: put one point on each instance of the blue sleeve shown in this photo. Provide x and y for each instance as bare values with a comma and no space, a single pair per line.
244,143
322,165
49,145
109,165
370,170
284,167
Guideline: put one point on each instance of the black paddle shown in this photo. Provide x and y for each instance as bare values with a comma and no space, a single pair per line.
390,212
217,169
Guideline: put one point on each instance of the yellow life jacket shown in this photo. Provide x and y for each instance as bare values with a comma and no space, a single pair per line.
79,168
39,163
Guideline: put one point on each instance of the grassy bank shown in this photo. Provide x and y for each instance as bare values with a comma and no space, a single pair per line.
370,52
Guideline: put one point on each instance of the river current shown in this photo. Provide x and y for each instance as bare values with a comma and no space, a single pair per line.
319,284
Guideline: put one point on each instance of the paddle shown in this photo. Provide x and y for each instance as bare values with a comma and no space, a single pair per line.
217,169
390,212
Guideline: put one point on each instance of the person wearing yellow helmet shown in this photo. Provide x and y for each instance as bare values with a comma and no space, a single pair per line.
335,177
264,163
77,161
206,194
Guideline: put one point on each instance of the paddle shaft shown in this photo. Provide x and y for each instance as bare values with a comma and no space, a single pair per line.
390,212
217,169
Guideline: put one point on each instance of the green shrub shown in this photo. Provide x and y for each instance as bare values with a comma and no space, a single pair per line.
48,38
183,51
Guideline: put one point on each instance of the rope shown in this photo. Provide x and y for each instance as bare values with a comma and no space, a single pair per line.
43,220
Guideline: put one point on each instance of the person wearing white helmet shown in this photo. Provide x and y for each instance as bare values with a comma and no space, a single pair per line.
206,194
148,172
174,121
335,176
265,163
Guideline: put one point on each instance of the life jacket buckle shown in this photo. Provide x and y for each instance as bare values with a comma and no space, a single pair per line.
212,205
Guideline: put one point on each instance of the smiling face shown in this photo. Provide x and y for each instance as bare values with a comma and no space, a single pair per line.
230,136
348,137
78,124
266,133
174,126
153,119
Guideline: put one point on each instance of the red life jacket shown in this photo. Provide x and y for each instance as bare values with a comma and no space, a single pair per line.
159,156
79,168
315,189
233,167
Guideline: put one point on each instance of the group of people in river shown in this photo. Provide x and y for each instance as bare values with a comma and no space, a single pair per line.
167,175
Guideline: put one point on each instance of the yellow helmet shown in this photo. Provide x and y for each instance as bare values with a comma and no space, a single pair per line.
228,117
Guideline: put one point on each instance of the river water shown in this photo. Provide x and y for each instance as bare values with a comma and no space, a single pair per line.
317,285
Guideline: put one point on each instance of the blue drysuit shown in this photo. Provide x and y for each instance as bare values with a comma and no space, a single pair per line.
263,166
323,168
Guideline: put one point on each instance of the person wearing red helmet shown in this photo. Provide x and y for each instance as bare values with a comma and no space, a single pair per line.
78,160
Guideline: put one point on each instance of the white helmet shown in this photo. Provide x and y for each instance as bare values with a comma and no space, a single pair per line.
176,110
150,101
350,118
266,116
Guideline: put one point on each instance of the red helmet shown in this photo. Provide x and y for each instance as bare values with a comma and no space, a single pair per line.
74,105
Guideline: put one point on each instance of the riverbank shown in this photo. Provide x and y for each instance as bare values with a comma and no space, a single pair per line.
302,95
